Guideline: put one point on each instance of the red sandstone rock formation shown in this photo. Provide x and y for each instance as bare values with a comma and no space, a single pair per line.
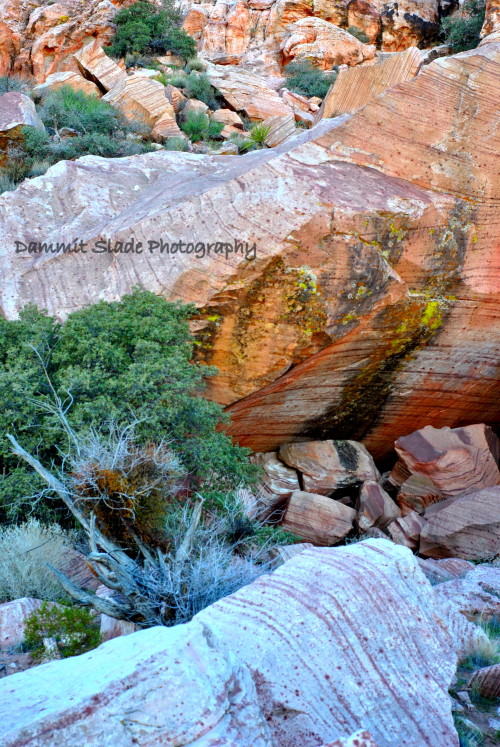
39,41
371,308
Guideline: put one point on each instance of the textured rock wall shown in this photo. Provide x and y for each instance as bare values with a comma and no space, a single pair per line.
371,307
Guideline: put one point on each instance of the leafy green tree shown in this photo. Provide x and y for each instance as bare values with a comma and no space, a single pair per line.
143,28
462,32
112,363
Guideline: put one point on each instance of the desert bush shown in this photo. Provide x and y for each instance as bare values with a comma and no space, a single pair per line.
120,361
179,80
259,133
485,654
10,83
177,143
461,32
358,34
198,86
6,184
144,28
307,80
198,127
66,107
195,64
243,143
25,551
74,629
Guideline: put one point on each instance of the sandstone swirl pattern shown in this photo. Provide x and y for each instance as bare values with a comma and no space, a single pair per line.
372,307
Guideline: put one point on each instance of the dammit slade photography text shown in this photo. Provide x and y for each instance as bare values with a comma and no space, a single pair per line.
199,249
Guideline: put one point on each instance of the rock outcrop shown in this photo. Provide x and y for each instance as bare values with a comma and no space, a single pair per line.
374,283
332,643
16,112
356,87
40,40
12,620
250,32
465,527
323,44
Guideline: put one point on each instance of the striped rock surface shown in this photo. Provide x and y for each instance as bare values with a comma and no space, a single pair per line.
332,643
476,595
487,681
95,65
323,44
416,493
246,92
356,86
144,100
162,686
375,282
458,460
466,527
318,519
344,639
360,739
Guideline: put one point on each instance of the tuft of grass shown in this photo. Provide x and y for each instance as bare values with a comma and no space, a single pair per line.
486,654
6,184
469,734
25,551
177,143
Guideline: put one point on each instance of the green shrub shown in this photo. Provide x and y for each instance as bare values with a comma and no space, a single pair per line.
25,551
74,629
177,143
243,143
179,80
12,83
307,80
121,361
66,107
358,34
198,127
198,87
462,32
195,64
143,28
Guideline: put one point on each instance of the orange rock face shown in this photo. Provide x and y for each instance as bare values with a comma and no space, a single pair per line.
39,41
365,304
323,44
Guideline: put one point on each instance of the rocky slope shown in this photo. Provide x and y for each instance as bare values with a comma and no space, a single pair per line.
371,307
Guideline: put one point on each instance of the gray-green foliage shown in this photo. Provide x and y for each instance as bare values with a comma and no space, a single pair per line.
25,551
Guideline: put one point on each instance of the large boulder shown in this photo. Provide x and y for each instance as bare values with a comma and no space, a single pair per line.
74,80
323,44
143,100
361,281
458,461
465,527
327,466
246,92
13,620
318,519
333,642
356,86
16,112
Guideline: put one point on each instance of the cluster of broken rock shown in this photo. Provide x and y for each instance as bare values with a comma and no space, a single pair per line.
441,499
